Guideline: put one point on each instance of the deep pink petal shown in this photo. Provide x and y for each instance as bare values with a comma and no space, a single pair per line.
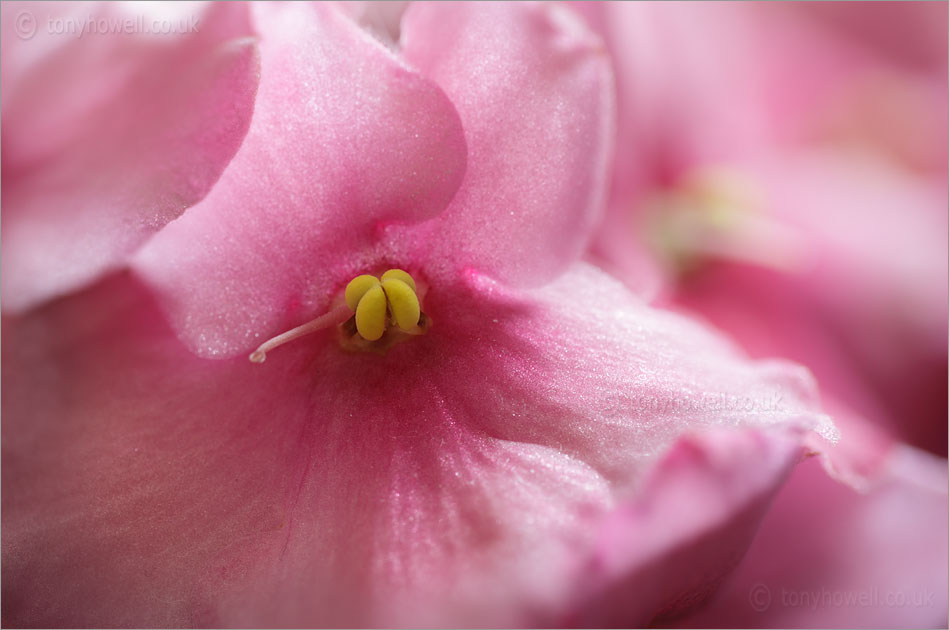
534,91
830,557
344,138
107,136
145,486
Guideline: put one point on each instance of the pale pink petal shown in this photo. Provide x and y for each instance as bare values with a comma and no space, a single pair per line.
879,237
534,91
109,135
344,139
827,556
145,486
895,98
687,84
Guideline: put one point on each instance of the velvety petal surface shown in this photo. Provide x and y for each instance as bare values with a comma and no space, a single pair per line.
827,556
143,485
112,126
534,91
345,138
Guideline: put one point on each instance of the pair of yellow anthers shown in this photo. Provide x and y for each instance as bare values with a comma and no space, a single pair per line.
370,297
376,302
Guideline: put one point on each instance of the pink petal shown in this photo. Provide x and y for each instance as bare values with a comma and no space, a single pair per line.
107,136
866,311
534,91
145,486
913,34
829,557
776,76
879,235
667,549
676,105
676,108
344,138
132,491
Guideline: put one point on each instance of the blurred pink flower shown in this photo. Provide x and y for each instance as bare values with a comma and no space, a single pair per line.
726,203
755,187
552,451
864,305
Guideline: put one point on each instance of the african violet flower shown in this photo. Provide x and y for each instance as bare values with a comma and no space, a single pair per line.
814,251
714,207
543,448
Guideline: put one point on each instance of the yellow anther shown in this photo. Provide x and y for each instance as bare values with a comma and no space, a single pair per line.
402,301
375,301
357,288
398,274
371,313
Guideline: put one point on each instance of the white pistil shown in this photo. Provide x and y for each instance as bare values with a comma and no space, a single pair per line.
336,316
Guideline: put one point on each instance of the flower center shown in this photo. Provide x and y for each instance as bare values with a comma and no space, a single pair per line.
379,312
374,300
716,213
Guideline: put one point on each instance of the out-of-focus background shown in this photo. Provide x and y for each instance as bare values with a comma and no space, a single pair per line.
781,172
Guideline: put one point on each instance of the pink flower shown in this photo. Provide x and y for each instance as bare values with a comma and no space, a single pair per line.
550,451
752,207
722,205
